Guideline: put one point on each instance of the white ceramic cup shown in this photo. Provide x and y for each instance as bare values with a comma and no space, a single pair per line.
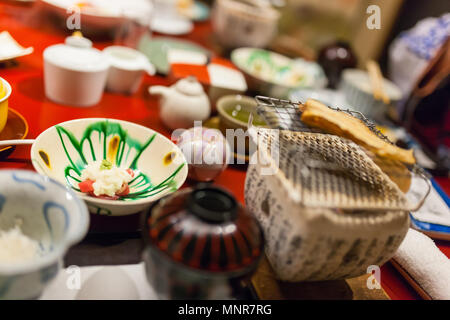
74,75
127,67
166,8
244,23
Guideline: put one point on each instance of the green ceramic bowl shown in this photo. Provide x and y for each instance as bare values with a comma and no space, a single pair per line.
62,151
234,111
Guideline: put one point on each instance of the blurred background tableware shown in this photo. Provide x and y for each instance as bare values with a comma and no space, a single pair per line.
47,212
357,87
156,50
321,241
23,2
5,93
183,103
418,62
334,58
433,218
172,26
63,151
10,48
244,23
234,113
218,76
275,75
131,31
193,9
199,262
100,15
74,72
126,69
206,151
16,128
330,97
224,81
167,20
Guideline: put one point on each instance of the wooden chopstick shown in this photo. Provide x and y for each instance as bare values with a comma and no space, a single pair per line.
376,79
411,280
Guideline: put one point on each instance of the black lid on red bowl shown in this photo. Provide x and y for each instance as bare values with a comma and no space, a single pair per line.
205,229
212,205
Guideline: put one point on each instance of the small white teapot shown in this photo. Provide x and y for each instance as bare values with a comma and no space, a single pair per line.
183,103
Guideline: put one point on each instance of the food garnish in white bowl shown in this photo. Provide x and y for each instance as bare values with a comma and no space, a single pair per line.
101,15
104,180
10,49
359,92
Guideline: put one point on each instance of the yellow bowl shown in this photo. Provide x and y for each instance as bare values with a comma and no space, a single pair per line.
5,92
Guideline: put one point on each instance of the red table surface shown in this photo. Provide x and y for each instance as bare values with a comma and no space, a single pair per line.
26,79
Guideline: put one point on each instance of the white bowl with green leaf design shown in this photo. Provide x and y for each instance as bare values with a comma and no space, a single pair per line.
63,151
275,75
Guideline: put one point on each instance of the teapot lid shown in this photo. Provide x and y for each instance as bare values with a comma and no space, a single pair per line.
189,86
205,229
76,54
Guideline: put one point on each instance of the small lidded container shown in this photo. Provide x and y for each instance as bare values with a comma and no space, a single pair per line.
200,244
74,72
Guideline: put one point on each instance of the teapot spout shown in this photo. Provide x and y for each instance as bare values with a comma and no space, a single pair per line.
159,90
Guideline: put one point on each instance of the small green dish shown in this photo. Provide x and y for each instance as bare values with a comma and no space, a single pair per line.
156,50
234,112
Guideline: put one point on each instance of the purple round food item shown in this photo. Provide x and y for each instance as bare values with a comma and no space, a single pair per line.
206,151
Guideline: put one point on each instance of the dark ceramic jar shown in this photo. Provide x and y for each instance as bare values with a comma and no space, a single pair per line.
334,58
200,244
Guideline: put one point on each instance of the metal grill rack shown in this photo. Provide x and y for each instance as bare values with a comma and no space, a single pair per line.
285,115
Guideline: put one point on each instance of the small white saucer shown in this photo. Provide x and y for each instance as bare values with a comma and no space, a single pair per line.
171,26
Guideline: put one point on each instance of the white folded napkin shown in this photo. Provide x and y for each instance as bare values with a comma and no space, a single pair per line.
426,264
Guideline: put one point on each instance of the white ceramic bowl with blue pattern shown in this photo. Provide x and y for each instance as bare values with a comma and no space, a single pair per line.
47,212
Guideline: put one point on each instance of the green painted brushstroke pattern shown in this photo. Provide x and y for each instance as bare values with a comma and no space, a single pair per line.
140,186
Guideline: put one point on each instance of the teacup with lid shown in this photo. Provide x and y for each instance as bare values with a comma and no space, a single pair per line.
74,72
